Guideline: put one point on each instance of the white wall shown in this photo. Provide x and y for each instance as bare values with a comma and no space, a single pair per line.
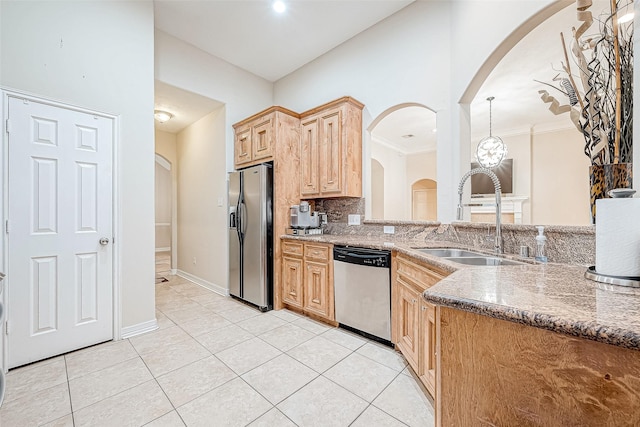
395,181
187,67
422,166
98,55
560,179
202,224
427,53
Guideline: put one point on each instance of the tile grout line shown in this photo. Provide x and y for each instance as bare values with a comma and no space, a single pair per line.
66,373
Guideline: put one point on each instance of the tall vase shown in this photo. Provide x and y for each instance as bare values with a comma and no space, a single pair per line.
608,177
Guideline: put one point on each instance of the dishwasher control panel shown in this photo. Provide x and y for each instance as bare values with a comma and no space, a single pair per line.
361,256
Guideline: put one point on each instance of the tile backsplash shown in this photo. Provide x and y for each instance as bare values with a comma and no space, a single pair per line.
565,244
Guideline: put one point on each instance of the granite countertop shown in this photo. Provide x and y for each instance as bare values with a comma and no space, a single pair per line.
555,297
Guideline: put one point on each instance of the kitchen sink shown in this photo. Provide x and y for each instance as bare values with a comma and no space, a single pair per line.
450,252
482,260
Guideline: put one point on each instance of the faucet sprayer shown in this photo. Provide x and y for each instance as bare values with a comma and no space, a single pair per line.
496,185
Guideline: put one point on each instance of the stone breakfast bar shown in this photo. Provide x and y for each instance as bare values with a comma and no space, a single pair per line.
530,344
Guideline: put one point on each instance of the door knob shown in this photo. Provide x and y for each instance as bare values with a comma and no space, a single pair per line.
104,241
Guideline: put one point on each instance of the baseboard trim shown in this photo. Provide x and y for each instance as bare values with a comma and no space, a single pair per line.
174,271
205,284
140,328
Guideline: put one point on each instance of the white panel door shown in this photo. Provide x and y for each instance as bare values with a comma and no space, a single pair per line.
60,289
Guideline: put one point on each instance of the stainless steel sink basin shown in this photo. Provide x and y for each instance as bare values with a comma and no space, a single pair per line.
450,252
482,260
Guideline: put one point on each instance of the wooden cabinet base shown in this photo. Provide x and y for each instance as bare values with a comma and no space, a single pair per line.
311,315
415,321
494,372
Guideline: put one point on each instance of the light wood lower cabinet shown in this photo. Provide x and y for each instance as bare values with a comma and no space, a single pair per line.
414,320
307,278
292,274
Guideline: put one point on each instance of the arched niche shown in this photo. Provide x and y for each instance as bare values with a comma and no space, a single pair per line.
402,144
424,200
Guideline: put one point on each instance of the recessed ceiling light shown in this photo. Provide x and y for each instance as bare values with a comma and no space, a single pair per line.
434,130
162,116
279,6
409,135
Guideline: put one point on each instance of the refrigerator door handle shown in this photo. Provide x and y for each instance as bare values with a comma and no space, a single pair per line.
239,221
243,219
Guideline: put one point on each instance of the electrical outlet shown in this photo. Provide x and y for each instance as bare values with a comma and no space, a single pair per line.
354,219
389,229
220,201
194,260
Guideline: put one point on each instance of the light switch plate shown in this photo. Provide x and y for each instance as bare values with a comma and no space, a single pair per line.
389,229
354,219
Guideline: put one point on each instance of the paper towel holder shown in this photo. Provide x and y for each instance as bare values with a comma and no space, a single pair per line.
628,281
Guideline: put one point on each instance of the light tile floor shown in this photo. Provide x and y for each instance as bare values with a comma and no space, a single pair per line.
216,362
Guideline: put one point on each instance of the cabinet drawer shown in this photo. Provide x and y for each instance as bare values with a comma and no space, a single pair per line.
316,252
423,275
292,248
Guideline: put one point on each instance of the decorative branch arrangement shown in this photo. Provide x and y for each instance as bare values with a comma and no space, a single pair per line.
601,95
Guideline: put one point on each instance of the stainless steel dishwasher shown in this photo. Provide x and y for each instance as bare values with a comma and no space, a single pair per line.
362,282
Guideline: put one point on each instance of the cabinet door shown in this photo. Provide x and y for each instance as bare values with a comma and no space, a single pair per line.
242,146
316,289
292,277
331,153
262,139
427,356
309,159
408,332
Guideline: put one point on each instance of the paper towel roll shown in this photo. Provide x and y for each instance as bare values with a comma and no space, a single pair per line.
618,237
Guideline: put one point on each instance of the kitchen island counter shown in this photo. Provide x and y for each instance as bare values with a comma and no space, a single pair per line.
555,297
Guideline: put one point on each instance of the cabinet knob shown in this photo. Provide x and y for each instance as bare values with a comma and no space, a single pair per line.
414,300
424,308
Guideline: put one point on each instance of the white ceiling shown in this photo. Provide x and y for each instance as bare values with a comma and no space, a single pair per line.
252,36
186,107
249,34
408,130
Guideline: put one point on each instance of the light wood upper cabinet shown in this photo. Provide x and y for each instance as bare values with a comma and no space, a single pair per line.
309,183
414,321
331,150
242,148
262,138
255,137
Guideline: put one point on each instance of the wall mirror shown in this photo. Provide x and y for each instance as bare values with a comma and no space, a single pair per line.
403,164
550,171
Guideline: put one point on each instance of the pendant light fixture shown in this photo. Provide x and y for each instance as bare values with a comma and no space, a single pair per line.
491,150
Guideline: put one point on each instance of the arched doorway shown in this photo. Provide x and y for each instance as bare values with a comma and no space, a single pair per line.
163,207
402,151
424,200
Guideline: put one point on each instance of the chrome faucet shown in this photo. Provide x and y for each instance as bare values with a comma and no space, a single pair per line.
496,185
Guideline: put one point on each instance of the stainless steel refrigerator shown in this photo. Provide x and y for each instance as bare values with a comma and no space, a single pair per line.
251,235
